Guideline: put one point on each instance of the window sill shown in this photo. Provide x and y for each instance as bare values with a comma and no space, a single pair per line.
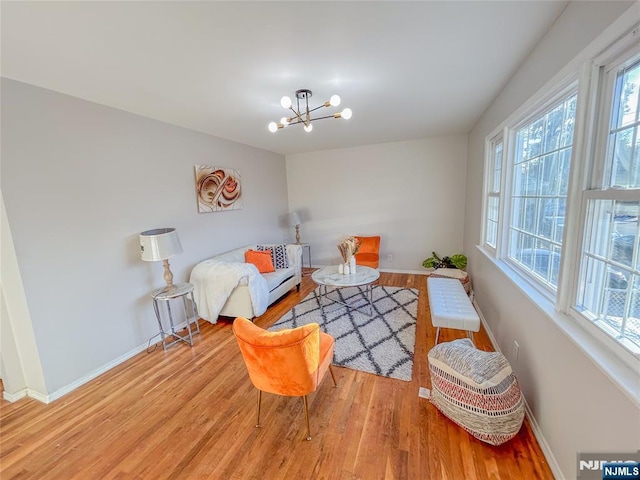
624,373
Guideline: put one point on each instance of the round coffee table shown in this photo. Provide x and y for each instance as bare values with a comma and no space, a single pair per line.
329,277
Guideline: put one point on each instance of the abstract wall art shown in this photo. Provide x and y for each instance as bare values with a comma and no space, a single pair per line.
218,189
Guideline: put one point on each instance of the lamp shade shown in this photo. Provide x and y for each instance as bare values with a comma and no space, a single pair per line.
294,219
159,244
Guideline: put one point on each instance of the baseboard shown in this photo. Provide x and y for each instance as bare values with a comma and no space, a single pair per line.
25,392
14,397
537,432
394,270
87,378
544,446
44,398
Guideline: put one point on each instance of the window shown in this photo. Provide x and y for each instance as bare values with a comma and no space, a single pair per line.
609,283
623,151
561,211
541,161
493,195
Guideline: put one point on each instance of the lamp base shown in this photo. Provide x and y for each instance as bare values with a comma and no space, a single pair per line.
298,235
168,276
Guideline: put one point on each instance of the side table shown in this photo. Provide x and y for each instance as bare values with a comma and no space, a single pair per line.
307,247
182,290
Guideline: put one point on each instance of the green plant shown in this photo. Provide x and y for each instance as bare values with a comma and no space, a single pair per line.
458,261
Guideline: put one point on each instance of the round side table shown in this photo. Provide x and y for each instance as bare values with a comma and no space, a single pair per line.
165,295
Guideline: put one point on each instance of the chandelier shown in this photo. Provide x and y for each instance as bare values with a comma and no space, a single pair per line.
303,115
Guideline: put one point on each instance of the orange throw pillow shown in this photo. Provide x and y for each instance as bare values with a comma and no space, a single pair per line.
262,260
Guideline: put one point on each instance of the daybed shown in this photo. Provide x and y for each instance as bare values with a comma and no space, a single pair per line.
226,285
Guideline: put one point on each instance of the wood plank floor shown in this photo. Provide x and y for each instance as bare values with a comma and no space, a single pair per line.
190,413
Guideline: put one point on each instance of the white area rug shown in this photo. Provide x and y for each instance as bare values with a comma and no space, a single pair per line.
381,344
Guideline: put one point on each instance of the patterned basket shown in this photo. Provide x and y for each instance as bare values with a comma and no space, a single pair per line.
461,275
477,390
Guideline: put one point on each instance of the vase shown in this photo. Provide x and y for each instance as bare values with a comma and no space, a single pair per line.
352,265
341,268
347,270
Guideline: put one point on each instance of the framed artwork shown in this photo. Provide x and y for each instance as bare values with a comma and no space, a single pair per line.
218,189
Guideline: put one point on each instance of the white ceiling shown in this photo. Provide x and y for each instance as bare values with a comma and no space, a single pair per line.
408,70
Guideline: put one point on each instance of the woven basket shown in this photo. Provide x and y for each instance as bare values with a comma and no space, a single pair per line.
461,275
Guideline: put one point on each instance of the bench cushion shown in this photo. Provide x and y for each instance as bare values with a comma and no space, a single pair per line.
449,305
477,390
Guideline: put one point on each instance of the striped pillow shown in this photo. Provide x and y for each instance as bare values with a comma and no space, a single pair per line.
278,254
477,390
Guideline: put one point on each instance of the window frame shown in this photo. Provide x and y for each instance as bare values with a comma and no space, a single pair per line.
616,58
611,358
603,75
574,310
490,167
535,109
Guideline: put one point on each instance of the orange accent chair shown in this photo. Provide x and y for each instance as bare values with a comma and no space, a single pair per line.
369,252
289,362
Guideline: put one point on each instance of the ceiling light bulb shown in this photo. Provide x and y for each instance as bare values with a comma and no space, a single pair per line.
273,127
346,113
334,100
284,121
308,128
285,102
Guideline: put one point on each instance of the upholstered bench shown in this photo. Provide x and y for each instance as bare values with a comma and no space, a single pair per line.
477,390
450,307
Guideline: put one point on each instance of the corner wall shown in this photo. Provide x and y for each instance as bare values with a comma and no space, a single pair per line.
20,368
410,193
80,181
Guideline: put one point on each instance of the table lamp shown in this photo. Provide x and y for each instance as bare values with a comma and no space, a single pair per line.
160,244
295,221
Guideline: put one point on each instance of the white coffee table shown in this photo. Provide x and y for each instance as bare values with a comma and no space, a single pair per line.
329,277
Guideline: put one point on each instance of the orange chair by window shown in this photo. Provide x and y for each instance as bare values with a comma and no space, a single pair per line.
289,362
369,252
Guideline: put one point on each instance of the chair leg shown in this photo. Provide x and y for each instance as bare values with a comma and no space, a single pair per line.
333,376
259,402
306,413
437,334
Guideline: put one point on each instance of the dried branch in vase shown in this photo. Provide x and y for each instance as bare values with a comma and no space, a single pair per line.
348,247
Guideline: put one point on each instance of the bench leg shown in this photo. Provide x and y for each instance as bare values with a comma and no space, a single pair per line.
437,334
471,336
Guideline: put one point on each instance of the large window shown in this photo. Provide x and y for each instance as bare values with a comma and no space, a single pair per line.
542,157
563,210
609,285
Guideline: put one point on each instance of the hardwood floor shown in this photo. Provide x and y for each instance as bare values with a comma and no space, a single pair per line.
190,413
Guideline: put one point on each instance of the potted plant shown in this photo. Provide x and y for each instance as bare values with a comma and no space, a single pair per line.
458,261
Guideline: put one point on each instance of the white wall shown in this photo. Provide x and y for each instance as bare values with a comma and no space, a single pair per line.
21,367
411,193
577,407
80,181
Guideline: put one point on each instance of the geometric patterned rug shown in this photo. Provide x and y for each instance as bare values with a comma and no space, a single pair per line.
381,344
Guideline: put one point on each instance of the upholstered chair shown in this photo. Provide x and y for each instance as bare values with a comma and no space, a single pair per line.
369,252
289,362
